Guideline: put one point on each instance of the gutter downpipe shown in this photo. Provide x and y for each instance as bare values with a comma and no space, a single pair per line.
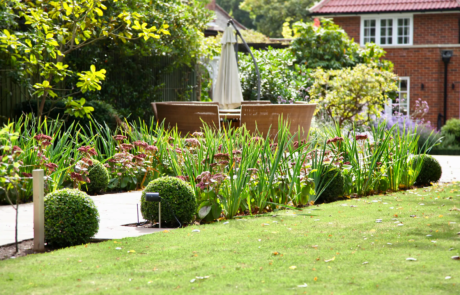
446,56
230,22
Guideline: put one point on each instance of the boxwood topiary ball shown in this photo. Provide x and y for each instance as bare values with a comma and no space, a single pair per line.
71,218
99,178
431,170
175,193
383,184
335,188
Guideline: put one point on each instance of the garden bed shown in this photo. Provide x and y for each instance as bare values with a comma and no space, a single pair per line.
229,172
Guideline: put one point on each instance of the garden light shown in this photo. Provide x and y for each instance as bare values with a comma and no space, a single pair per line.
155,197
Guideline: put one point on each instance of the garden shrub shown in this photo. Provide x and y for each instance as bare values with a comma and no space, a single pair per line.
335,189
98,176
103,112
281,79
452,128
431,170
176,194
328,46
71,218
383,184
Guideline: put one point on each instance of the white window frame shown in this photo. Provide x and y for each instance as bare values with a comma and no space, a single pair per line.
389,106
395,18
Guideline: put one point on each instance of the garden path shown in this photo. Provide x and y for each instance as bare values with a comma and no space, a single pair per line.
118,209
114,210
450,168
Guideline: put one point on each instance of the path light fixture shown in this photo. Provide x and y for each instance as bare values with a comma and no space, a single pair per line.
155,197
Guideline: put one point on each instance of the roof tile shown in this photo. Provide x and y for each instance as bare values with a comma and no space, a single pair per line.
357,6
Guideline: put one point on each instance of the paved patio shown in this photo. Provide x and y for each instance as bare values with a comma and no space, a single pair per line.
114,210
118,209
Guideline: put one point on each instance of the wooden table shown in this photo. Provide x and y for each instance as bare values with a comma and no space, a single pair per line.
231,118
229,111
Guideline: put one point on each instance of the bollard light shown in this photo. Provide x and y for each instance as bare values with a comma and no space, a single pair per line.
155,197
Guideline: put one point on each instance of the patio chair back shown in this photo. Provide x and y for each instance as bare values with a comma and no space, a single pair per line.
154,107
263,118
188,117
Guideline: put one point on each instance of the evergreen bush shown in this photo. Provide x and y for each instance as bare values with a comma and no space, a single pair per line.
176,197
335,189
431,170
99,178
71,218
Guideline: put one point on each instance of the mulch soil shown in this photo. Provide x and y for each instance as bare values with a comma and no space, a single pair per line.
26,248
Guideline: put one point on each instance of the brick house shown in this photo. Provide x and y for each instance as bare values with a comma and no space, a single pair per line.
415,34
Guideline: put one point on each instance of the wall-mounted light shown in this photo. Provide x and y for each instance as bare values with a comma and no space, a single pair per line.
423,86
453,86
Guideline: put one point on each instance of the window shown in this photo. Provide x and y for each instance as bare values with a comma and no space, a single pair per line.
387,30
403,31
400,104
369,30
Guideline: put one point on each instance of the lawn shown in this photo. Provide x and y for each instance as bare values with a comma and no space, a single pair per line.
332,248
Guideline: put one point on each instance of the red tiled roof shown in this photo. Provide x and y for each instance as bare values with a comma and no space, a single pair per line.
367,6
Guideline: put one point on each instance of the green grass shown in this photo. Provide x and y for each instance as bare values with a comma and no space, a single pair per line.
238,256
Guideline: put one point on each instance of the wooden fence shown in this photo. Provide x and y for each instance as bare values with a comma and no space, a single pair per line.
179,84
10,95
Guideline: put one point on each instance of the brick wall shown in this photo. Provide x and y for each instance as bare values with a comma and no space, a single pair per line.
425,66
351,25
436,28
428,28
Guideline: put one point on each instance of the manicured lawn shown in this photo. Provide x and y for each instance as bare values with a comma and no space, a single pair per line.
239,257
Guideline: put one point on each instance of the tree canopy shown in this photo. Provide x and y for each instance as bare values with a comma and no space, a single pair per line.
270,15
37,36
233,8
329,47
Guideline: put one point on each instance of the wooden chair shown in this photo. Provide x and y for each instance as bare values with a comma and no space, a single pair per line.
188,117
155,113
261,117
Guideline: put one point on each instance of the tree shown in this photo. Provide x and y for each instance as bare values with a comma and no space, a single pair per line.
37,36
135,69
352,94
233,8
270,15
329,47
10,179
